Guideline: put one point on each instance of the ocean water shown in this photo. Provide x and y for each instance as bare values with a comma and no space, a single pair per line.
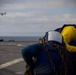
20,38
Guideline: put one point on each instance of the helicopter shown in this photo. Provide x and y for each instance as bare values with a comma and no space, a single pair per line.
3,13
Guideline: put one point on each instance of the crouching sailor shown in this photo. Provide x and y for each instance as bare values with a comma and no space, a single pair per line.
49,57
68,31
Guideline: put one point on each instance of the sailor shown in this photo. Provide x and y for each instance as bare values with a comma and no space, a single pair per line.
68,31
49,57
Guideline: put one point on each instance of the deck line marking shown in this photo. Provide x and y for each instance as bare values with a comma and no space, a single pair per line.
10,63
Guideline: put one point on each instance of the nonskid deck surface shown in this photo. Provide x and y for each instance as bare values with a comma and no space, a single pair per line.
11,61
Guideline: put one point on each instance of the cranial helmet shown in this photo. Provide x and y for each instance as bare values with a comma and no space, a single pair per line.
53,36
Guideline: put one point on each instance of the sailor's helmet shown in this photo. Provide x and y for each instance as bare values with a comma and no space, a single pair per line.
53,36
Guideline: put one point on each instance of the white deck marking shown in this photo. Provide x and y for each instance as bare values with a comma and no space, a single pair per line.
19,73
19,44
10,63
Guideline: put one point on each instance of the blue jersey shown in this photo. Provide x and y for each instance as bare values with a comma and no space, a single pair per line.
42,64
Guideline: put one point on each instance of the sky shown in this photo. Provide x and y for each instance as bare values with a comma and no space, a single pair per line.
35,17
